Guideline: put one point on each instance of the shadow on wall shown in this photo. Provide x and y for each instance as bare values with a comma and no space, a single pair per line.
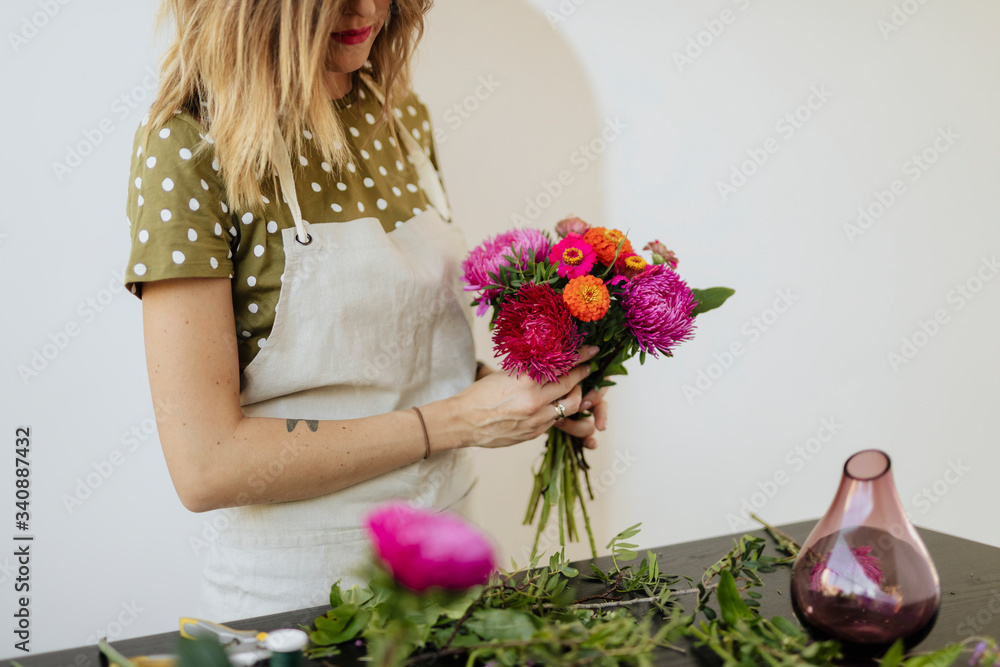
520,136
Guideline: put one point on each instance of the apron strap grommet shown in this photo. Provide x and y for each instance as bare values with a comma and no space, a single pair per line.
309,239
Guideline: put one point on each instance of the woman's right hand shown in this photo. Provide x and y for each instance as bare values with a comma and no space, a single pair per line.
501,409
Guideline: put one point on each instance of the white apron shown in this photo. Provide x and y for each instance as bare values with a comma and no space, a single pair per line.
367,322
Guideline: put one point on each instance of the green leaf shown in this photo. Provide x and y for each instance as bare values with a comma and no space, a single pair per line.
786,626
206,652
710,299
356,595
336,597
336,619
941,658
358,623
893,656
731,605
501,624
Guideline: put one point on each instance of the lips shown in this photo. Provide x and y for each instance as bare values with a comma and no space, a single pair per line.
357,36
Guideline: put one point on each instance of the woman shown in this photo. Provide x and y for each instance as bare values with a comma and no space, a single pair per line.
302,314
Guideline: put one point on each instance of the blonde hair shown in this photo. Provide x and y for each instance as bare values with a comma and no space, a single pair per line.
245,67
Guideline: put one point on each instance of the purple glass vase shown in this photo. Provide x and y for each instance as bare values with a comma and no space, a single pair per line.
863,576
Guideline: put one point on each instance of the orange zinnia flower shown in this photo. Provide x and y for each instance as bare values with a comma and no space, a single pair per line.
605,243
587,298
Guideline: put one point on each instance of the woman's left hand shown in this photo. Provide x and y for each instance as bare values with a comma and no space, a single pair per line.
586,427
581,428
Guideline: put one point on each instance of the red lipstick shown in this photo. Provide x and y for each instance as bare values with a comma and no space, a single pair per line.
353,36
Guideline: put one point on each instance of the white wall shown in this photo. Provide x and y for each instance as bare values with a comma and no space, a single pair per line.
63,242
899,75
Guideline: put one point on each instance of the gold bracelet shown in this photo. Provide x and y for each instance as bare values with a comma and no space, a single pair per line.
427,439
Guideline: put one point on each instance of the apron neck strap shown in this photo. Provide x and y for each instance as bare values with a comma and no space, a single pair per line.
428,177
429,181
284,166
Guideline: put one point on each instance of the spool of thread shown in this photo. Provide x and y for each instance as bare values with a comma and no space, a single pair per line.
286,647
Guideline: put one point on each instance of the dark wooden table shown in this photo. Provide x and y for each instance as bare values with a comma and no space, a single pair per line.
970,587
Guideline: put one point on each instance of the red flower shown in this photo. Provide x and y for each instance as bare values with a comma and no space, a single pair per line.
537,334
630,265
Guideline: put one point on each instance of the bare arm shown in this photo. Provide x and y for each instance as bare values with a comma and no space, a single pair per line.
218,457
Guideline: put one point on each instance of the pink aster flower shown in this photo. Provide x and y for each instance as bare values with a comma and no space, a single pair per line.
568,226
481,266
573,257
424,549
658,307
537,333
847,569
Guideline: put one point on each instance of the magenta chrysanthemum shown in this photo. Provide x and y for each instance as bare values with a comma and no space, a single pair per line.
537,334
484,261
573,257
658,307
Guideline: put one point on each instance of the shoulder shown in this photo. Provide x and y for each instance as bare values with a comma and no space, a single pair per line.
416,117
178,140
411,106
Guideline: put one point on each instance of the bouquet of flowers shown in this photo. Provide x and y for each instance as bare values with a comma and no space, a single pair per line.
589,288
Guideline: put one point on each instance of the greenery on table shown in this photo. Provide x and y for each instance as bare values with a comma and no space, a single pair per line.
533,616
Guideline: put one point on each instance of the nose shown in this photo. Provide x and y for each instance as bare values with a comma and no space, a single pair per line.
362,8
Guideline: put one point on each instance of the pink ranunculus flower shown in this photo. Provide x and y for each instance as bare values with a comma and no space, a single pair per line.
573,257
568,226
424,549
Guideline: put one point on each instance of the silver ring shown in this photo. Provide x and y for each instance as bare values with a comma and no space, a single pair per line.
560,411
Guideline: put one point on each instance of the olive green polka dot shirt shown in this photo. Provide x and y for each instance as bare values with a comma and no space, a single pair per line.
182,226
